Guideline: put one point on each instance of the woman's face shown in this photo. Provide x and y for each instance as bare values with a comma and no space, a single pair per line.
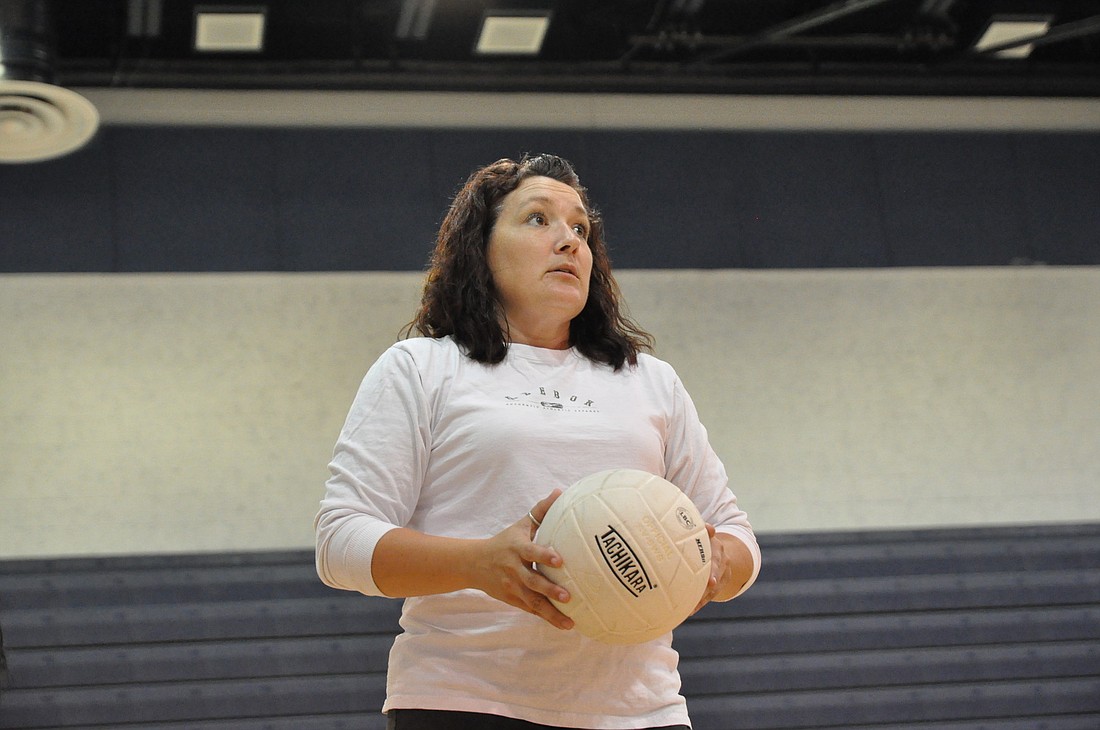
540,261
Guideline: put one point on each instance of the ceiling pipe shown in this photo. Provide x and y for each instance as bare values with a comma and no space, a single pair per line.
39,120
794,26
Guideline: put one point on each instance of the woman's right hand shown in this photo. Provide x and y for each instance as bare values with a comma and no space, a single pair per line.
504,568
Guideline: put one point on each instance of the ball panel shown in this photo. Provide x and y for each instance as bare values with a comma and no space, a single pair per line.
636,555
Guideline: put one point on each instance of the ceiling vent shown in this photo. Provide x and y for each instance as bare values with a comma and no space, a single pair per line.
38,119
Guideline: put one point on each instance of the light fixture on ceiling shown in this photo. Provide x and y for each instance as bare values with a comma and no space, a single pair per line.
1005,35
229,29
512,33
38,119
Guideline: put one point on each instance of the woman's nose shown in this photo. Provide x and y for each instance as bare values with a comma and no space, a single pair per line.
568,240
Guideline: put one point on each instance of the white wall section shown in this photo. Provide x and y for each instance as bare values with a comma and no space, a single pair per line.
197,412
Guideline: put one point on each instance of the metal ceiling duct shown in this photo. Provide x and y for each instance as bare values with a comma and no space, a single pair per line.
38,119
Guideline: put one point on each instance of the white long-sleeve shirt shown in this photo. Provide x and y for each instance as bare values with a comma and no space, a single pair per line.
448,446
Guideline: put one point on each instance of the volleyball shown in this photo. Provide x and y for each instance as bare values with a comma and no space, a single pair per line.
635,555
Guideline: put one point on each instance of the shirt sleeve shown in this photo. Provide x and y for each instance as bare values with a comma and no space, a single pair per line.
692,464
376,471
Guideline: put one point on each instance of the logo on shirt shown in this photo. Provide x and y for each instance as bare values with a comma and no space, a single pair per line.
551,399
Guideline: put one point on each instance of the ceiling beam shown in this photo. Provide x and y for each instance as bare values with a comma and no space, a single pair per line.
694,113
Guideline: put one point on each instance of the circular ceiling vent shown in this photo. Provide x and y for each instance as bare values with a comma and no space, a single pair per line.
40,121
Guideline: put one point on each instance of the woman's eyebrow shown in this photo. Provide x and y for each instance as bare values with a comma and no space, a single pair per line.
545,200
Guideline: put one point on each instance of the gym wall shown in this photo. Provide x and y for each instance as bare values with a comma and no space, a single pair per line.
881,327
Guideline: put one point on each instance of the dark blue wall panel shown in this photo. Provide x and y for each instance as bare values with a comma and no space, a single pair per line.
965,207
740,201
1061,195
210,199
194,200
57,215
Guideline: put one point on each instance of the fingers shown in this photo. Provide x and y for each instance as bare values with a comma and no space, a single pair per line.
539,589
537,600
533,519
716,567
547,611
509,571
709,593
538,513
540,585
532,592
531,552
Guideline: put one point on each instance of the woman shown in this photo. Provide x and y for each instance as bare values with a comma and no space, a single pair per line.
527,378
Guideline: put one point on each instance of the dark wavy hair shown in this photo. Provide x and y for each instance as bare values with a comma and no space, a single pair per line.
460,298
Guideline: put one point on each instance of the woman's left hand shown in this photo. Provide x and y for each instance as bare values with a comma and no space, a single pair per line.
730,567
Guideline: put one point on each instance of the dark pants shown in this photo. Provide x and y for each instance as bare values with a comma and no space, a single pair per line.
448,720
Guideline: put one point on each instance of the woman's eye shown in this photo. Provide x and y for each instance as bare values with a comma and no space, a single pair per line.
580,231
538,218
